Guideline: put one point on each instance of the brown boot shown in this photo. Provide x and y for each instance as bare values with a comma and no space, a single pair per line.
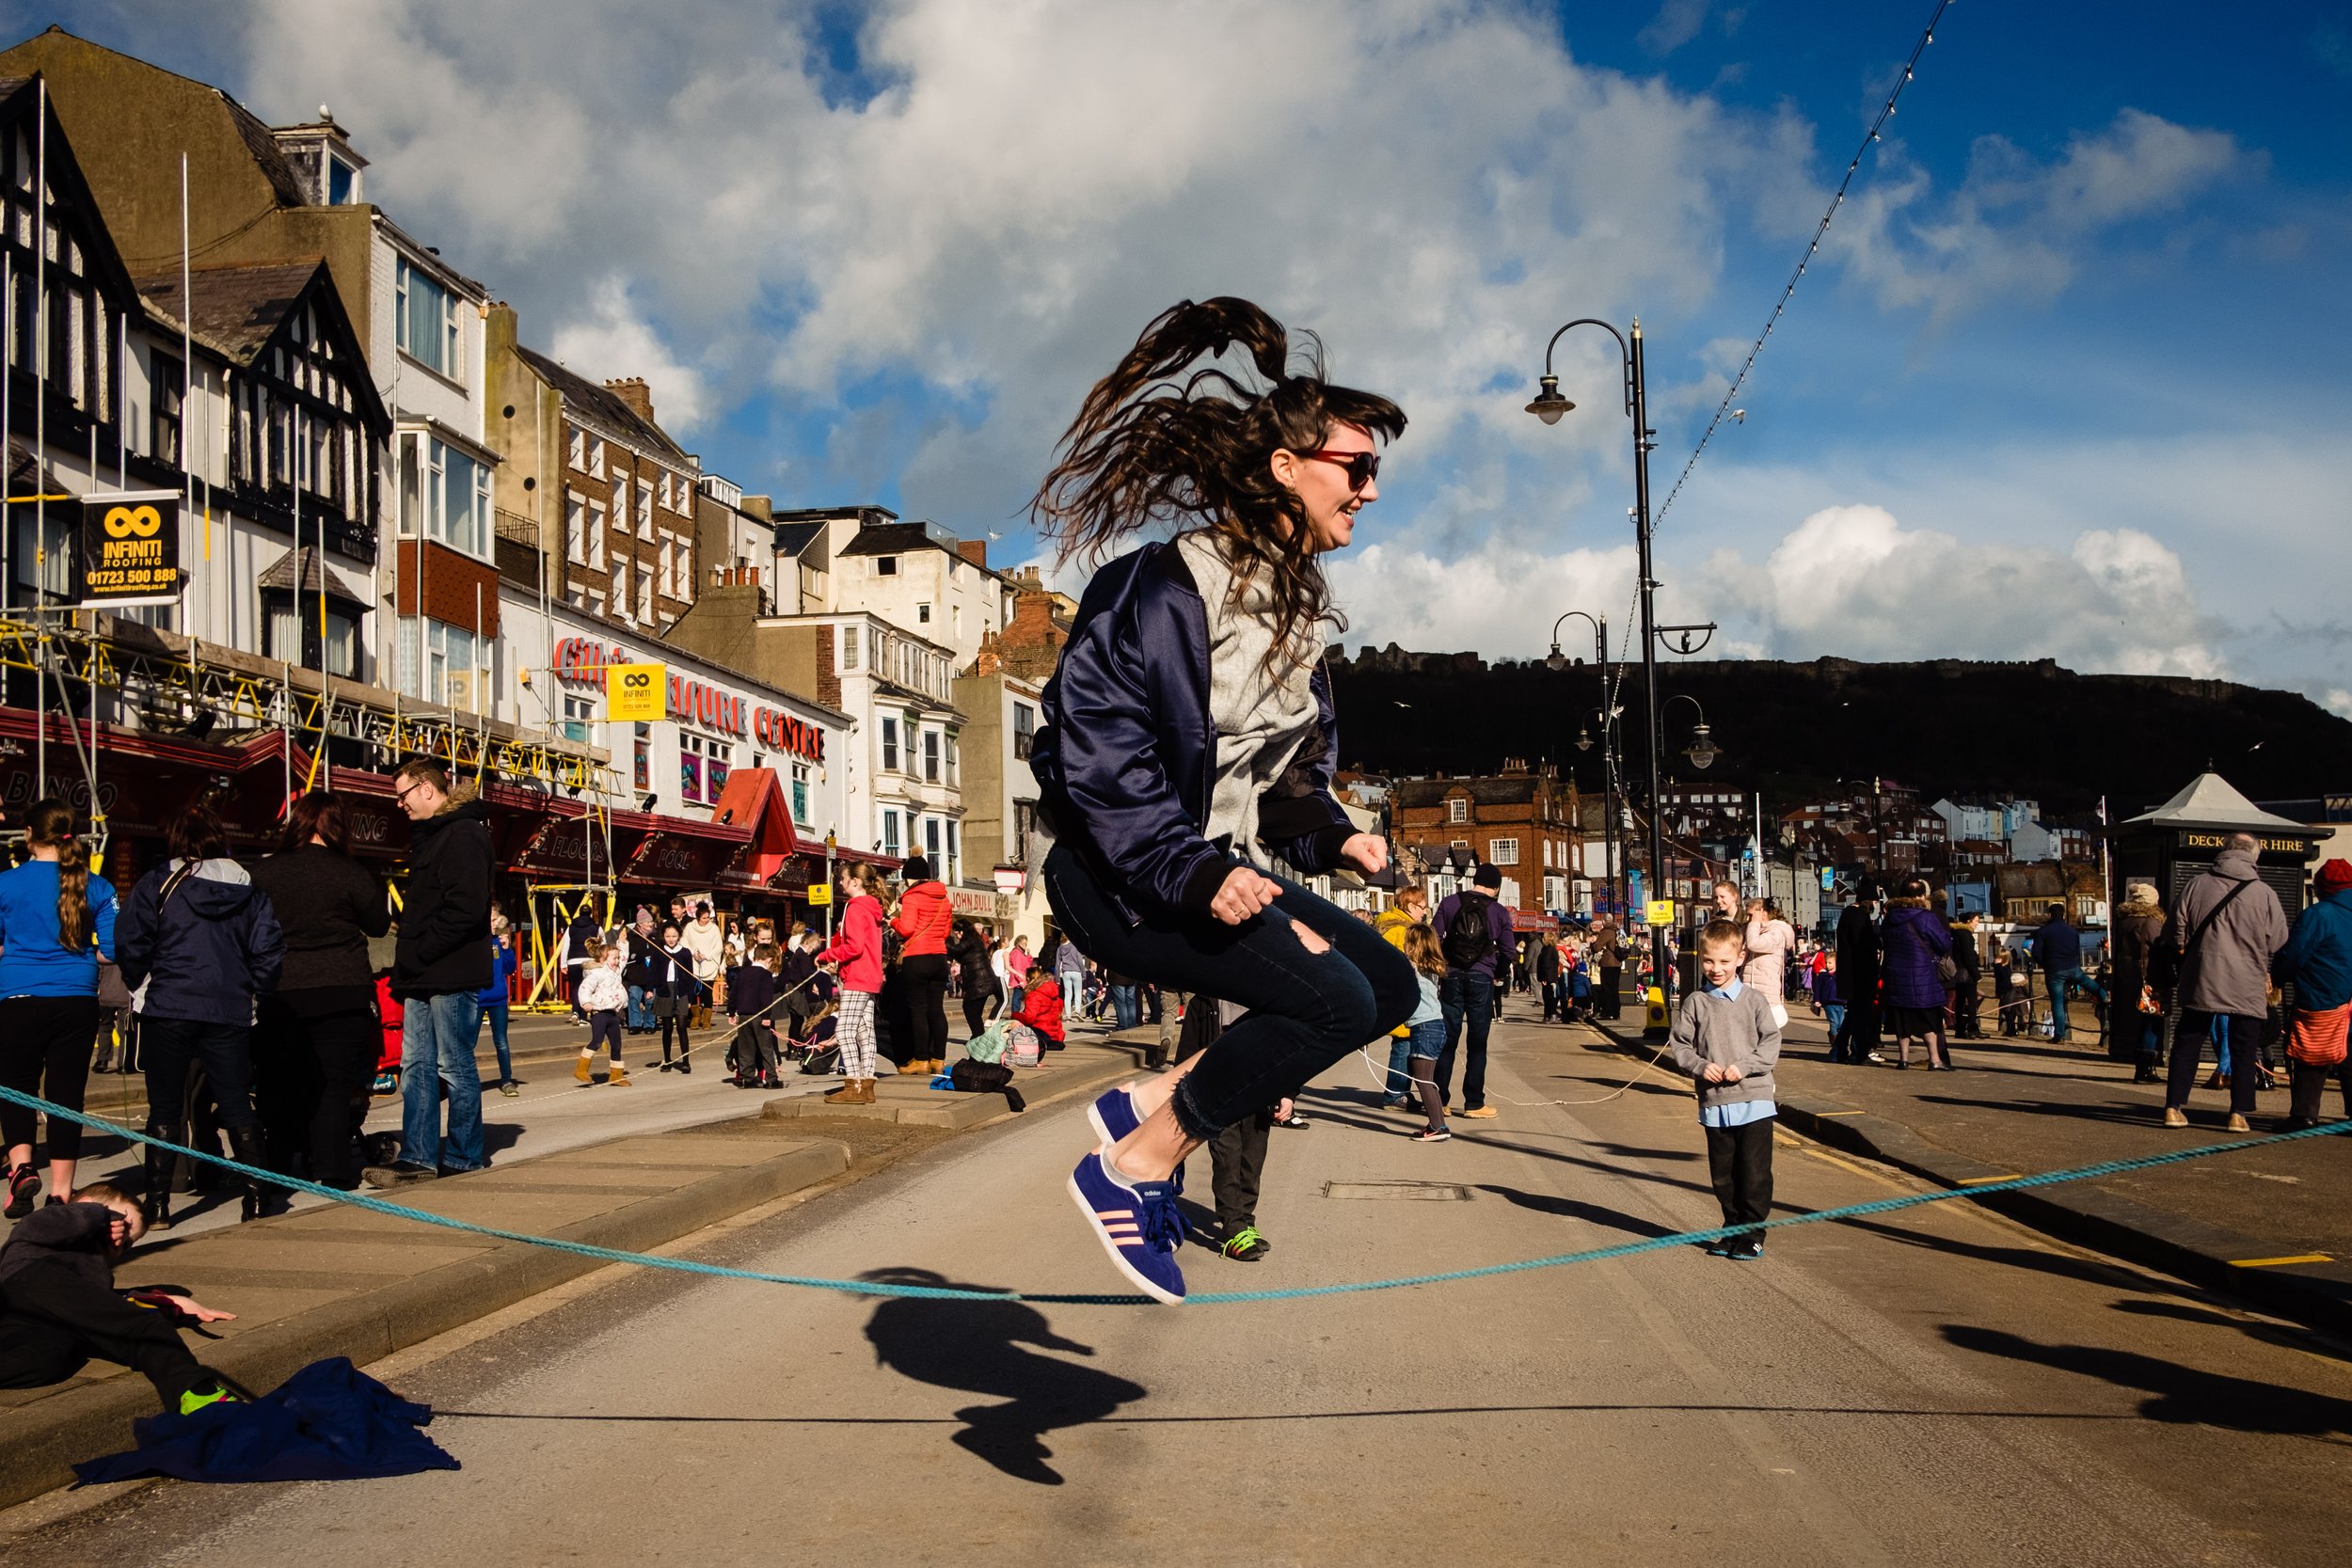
935,1066
619,1079
847,1094
908,1068
864,1092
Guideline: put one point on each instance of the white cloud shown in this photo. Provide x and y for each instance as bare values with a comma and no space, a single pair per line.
2338,701
614,340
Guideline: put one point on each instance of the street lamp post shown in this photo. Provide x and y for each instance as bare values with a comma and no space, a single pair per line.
1558,660
1548,406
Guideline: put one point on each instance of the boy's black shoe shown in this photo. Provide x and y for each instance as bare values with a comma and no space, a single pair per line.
1747,1251
1246,1245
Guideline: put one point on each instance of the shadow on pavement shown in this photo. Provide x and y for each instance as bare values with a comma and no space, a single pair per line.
2123,1114
1478,1133
2176,1393
1575,1208
976,1346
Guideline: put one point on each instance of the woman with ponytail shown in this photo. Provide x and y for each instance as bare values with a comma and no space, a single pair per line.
1190,737
55,924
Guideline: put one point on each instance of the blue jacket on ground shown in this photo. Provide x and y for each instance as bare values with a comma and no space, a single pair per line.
1126,761
1913,938
32,963
2058,947
2317,957
207,953
503,966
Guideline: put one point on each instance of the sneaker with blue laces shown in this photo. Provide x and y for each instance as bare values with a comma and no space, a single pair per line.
1137,1223
1113,1116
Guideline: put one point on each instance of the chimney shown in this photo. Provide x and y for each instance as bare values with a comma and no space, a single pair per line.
632,390
760,507
973,551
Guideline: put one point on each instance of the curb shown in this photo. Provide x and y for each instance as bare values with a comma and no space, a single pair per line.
84,1422
911,1102
2317,1294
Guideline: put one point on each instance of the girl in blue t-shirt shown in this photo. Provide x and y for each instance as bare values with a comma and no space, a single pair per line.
55,923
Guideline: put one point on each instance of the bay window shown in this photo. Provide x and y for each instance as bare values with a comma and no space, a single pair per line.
444,494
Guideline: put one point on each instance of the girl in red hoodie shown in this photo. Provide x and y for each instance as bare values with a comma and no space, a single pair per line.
923,920
858,950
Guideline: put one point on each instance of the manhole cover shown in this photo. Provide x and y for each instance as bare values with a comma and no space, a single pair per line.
1406,1192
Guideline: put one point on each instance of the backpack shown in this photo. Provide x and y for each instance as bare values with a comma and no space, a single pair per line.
988,1045
1468,937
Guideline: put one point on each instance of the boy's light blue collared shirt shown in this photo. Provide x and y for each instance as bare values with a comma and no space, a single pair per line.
1740,1112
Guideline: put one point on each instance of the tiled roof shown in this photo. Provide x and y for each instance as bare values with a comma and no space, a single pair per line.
279,575
235,309
602,407
890,539
1511,790
792,538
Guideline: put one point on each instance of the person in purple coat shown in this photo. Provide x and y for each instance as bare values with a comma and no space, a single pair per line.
1911,938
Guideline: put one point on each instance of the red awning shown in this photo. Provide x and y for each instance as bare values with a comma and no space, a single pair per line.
753,799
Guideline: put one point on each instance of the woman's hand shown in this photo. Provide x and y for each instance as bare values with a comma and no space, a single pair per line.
200,1312
1245,893
1367,852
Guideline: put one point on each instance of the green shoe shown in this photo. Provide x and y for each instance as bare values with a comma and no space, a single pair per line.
193,1400
1247,1246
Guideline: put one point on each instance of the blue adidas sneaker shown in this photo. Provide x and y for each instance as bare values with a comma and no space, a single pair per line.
1113,1115
1137,1223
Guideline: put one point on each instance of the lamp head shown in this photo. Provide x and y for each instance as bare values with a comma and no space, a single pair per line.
1549,404
1556,659
1584,738
1702,751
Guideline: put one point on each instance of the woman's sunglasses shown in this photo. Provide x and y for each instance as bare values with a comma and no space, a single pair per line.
1362,466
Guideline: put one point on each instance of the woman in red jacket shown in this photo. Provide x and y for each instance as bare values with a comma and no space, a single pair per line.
923,920
1041,1007
858,950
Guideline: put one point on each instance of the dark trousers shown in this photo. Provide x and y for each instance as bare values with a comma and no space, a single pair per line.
53,1321
1307,1009
45,1051
1236,1160
1860,1036
755,1053
311,1081
1739,1165
173,1045
1468,996
604,1031
976,1006
925,977
1609,999
2189,1039
2307,1089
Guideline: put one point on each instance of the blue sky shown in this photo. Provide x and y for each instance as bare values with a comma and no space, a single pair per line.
2065,382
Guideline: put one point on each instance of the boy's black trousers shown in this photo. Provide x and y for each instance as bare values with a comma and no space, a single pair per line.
53,1320
1740,1162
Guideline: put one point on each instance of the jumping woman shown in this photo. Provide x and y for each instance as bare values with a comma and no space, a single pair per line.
1190,740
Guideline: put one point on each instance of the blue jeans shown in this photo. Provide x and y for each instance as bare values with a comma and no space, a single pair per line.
495,1013
1400,1080
1305,1009
1834,1014
1126,1007
1469,998
1074,994
2063,981
437,1041
639,1008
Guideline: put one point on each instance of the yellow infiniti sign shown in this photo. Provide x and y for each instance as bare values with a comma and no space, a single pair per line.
125,522
635,694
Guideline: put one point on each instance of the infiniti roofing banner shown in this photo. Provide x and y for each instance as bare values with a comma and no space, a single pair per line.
130,551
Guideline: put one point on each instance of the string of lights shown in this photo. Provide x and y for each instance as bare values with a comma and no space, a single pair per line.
1853,166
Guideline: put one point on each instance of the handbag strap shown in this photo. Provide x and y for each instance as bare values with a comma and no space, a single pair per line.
2211,915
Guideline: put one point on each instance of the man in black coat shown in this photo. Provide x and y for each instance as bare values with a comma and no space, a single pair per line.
1858,977
440,962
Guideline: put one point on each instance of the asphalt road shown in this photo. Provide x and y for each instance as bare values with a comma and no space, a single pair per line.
1937,1386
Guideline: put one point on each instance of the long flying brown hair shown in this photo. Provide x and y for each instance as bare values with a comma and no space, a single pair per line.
50,825
1149,448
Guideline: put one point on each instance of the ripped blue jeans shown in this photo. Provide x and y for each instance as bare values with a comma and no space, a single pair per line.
1307,1009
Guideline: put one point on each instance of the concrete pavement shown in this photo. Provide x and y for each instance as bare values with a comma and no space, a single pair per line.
1936,1386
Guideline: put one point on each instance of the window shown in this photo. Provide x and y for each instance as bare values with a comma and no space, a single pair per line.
620,588
704,763
444,494
1457,810
890,745
643,746
951,756
620,502
1023,824
799,792
1023,730
595,457
955,620
666,505
580,715
668,564
645,594
574,527
342,182
849,647
287,622
890,833
954,856
885,566
578,453
931,756
1503,851
922,615
599,526
165,384
645,509
426,321
930,839
445,664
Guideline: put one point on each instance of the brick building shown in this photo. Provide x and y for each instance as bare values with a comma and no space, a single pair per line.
1521,821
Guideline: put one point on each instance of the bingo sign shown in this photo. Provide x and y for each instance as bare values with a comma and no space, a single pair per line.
129,548
635,694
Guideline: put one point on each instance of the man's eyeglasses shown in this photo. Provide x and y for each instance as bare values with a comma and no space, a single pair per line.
1362,466
399,797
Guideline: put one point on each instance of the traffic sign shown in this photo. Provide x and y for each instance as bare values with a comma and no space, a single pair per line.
1657,911
820,893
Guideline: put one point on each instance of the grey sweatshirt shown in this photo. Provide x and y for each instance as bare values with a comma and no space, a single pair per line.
1734,1031
1261,718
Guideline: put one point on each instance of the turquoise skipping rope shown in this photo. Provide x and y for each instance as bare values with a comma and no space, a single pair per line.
1207,1298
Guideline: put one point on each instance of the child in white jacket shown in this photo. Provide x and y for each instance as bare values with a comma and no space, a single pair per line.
603,995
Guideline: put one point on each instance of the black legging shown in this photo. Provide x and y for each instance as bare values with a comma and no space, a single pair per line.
45,1051
976,1006
681,1015
925,977
311,1073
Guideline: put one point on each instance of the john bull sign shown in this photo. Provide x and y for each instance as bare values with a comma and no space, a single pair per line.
129,548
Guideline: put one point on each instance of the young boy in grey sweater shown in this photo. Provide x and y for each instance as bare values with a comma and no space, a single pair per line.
1725,1039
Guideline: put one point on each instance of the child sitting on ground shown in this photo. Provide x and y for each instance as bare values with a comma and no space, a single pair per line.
1425,1041
603,996
1725,1037
821,1026
59,1308
1040,1012
752,995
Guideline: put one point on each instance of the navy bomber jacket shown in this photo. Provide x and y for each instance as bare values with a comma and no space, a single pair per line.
1126,760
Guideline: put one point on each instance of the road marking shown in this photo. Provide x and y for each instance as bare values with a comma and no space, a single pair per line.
1979,1180
1841,1113
2275,1262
